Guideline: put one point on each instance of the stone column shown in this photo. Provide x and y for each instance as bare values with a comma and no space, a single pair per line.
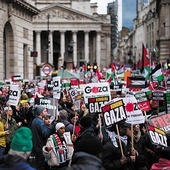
75,48
38,47
51,48
98,49
62,48
86,46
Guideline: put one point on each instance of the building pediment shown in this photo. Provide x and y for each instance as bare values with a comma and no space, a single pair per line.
59,13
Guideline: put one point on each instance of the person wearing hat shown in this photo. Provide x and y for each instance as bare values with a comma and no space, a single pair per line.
40,134
59,148
64,117
20,149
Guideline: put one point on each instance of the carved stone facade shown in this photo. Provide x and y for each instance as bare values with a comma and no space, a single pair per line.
16,36
25,27
60,26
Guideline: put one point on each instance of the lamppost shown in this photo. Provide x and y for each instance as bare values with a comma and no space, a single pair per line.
135,48
48,42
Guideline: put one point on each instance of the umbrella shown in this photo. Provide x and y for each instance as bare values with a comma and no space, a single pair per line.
67,74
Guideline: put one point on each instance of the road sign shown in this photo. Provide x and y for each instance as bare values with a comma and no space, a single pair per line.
46,69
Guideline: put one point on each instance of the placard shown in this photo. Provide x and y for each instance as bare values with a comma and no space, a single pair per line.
142,101
93,90
113,112
162,122
14,94
157,136
95,104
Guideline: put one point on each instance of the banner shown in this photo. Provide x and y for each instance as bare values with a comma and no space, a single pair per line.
113,112
93,90
158,101
167,95
95,104
50,103
162,122
56,87
14,94
142,100
133,111
157,136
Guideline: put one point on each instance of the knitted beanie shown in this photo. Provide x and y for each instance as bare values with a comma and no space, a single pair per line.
58,126
22,140
37,110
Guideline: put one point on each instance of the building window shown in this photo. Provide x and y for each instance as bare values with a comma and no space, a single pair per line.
25,33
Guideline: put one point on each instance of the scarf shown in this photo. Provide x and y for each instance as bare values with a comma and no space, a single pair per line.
137,136
113,137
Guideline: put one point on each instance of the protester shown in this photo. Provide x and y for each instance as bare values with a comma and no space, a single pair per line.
10,125
112,156
139,148
59,148
86,132
40,135
19,152
3,133
74,119
64,118
88,156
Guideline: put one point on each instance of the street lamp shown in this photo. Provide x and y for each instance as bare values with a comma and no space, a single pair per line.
48,42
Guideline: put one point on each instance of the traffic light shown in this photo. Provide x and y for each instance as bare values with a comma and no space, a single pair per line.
88,67
95,67
168,64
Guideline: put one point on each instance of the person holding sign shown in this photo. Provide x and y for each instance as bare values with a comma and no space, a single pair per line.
136,145
115,152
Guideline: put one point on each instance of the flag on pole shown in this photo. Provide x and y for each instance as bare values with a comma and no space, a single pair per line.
109,75
145,57
157,73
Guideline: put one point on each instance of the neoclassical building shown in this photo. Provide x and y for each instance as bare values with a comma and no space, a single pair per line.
16,35
57,30
73,32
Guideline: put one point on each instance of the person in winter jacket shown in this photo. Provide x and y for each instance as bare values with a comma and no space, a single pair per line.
112,157
88,156
40,135
20,150
58,150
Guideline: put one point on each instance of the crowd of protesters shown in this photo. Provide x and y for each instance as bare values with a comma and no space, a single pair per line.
73,140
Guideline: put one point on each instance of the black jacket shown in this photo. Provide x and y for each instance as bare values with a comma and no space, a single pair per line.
85,134
111,156
85,161
14,162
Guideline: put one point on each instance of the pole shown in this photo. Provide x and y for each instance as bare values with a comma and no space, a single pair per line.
48,17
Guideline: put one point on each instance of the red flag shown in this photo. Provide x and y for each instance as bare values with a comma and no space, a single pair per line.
145,57
99,76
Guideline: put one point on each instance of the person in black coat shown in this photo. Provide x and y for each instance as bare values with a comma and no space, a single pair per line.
40,135
88,156
139,147
112,158
87,131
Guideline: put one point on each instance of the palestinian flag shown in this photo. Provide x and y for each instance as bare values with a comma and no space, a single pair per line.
157,73
109,75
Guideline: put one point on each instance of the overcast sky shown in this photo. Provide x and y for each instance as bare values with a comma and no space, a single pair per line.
102,9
